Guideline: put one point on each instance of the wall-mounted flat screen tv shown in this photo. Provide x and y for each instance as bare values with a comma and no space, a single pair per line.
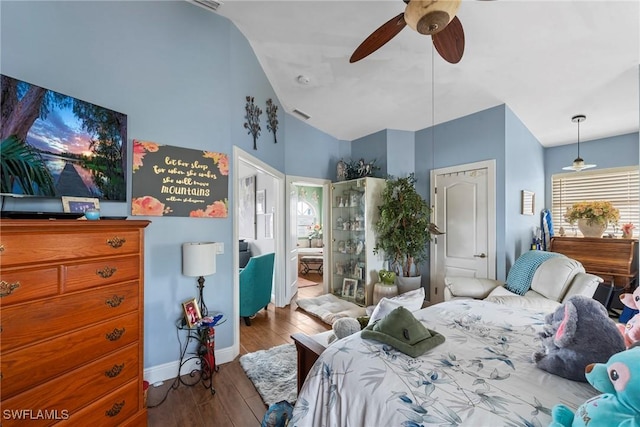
54,145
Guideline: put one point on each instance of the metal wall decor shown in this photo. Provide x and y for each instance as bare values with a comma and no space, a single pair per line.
253,119
272,119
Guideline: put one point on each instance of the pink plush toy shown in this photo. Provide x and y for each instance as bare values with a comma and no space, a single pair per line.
631,331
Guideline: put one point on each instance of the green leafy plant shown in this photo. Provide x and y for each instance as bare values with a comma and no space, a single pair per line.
402,228
22,165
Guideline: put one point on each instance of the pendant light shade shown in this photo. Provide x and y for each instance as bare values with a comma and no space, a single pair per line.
578,163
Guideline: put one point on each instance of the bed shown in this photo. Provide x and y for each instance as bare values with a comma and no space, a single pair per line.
482,375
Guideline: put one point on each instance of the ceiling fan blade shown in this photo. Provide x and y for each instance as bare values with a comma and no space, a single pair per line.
450,41
379,38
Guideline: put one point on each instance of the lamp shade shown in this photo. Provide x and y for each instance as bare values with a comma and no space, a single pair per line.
198,259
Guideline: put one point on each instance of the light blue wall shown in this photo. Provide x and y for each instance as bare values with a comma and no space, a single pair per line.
524,170
310,152
401,146
181,75
372,147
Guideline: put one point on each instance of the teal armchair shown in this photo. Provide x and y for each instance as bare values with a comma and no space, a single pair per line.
256,281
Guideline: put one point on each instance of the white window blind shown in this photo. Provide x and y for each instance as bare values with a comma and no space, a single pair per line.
617,185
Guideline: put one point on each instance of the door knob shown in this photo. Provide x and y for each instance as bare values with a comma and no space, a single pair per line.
482,255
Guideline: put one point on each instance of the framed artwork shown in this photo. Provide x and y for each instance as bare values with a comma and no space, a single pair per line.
349,288
527,202
260,202
79,204
191,312
247,208
178,181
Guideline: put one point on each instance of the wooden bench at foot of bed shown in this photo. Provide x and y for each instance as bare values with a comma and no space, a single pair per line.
309,350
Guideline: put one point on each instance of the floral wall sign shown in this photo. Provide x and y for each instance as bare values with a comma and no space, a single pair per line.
177,181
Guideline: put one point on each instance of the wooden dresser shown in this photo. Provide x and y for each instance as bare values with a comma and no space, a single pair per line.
615,260
71,313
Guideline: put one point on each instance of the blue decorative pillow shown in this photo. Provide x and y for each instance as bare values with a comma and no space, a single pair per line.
522,271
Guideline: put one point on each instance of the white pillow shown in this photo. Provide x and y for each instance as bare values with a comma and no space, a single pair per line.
411,300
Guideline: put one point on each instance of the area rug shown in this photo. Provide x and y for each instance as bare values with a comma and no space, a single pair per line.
273,372
329,308
303,283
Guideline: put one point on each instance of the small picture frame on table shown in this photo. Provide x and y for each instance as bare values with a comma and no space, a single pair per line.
349,288
191,312
79,204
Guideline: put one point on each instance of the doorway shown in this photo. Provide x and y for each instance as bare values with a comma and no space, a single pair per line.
307,210
464,208
250,165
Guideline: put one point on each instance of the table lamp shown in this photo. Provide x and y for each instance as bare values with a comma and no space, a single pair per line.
199,260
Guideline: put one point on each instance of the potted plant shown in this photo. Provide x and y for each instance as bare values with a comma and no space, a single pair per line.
402,229
592,217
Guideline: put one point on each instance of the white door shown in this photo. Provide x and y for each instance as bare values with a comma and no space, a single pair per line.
465,210
292,242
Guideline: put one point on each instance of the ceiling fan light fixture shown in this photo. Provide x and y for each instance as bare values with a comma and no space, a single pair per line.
430,17
578,163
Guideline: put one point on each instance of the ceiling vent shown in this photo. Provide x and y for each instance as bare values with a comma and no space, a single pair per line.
302,114
208,4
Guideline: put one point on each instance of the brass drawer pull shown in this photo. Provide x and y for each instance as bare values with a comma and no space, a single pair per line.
115,335
115,409
1,247
114,301
7,288
106,272
115,371
116,242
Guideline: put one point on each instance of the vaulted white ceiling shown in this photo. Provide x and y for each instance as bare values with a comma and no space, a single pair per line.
547,60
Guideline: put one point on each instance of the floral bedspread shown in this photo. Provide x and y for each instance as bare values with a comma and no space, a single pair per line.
483,375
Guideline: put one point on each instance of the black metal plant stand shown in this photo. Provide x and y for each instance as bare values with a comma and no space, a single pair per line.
203,356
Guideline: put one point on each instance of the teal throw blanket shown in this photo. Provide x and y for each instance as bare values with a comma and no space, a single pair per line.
522,271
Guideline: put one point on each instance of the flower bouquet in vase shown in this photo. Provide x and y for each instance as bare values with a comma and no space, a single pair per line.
592,217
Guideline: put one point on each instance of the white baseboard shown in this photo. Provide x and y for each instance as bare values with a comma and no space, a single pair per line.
169,370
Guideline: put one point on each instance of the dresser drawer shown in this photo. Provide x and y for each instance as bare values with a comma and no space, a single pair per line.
24,324
99,273
59,355
63,246
25,284
72,391
112,410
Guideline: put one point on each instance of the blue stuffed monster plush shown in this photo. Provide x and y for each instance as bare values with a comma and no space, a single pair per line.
619,405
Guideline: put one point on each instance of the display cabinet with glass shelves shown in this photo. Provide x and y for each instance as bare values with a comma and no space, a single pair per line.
354,266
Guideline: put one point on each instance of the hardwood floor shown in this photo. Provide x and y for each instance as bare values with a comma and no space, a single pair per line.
236,402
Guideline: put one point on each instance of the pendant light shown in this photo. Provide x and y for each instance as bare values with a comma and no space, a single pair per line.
578,163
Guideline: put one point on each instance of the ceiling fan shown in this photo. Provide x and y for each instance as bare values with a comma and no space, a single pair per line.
436,18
